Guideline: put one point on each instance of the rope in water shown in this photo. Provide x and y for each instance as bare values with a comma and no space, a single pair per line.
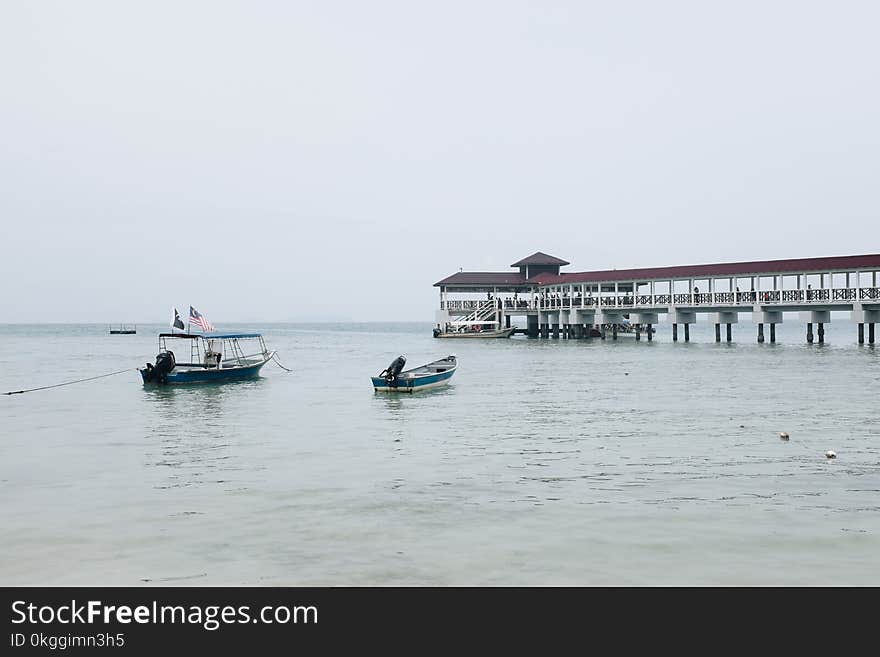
278,362
68,383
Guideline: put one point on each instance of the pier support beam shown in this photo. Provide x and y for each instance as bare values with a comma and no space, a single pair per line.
650,332
871,333
638,331
760,333
532,326
821,333
728,332
861,333
556,331
809,332
717,332
675,332
687,332
507,320
772,333
614,331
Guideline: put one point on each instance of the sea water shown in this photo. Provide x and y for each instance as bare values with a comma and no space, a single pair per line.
557,462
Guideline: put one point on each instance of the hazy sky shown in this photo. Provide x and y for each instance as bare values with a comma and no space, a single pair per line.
305,160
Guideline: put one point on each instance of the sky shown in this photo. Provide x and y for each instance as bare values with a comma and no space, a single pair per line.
307,161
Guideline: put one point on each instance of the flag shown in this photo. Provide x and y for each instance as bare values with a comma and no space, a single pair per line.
176,323
195,317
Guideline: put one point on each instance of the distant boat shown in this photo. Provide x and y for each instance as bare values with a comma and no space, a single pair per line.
395,379
216,358
483,329
123,329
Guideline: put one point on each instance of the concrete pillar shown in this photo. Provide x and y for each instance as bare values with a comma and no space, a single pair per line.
675,332
717,332
809,332
772,333
507,320
687,332
638,331
728,332
556,331
650,331
602,330
821,333
760,333
871,333
614,331
532,326
861,333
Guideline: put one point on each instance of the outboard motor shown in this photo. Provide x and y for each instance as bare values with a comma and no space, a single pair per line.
393,370
165,362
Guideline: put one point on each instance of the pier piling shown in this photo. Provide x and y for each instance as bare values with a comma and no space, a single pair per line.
638,331
861,333
871,333
821,333
728,332
650,331
717,332
809,333
614,331
556,331
772,333
687,332
760,333
675,332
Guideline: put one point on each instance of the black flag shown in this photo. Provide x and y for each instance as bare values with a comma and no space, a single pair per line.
177,323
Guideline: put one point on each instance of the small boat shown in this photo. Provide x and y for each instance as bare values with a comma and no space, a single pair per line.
483,329
395,379
213,358
122,329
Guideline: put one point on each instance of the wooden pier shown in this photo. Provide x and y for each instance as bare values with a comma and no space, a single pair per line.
594,303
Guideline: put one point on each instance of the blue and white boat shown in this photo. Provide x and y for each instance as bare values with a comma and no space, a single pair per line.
212,358
395,379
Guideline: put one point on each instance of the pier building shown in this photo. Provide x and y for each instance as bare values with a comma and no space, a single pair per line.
593,303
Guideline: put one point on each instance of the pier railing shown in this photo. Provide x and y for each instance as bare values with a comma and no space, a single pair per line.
554,301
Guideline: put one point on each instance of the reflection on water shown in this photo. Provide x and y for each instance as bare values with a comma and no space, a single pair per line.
190,427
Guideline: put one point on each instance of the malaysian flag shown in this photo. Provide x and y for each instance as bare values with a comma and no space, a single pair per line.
195,317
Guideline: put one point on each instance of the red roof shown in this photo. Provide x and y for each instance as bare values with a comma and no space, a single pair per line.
483,278
538,258
762,267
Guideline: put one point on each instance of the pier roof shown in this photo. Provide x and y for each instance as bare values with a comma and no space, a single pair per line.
468,278
539,258
755,268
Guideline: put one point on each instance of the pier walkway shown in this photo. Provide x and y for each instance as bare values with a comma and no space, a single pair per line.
585,304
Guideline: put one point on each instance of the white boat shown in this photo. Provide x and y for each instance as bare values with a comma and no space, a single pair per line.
395,379
472,329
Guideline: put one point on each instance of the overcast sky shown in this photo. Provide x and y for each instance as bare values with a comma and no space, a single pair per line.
318,160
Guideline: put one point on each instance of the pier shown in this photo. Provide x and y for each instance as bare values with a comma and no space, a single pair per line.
602,304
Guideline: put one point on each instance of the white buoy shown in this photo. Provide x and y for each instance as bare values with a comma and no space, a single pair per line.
831,454
783,435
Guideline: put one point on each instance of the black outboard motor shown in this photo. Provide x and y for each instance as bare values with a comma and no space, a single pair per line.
165,362
391,372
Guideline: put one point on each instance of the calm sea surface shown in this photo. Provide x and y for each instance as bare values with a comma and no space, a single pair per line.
543,462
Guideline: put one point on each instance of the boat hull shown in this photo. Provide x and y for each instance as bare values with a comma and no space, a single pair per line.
414,384
186,376
503,333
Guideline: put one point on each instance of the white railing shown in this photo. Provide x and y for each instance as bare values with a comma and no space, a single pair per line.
552,301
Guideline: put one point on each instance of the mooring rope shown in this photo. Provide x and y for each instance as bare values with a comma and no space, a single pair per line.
278,362
67,383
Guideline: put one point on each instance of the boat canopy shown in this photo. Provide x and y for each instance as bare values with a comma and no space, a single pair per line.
469,323
211,336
